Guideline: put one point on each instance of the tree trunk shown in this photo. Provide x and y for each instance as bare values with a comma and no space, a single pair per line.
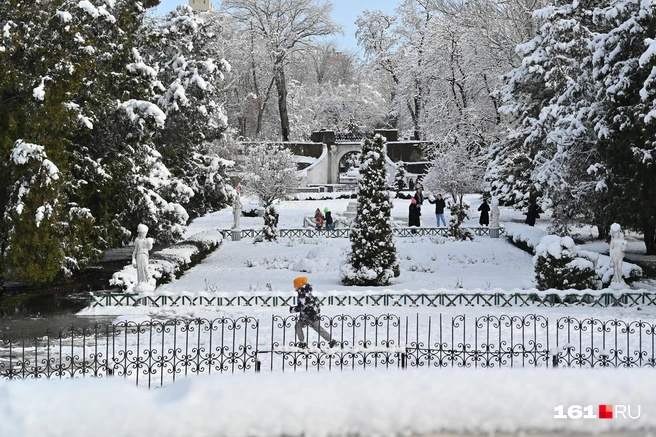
281,85
650,240
603,231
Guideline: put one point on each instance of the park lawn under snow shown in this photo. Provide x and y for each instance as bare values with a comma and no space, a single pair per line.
428,264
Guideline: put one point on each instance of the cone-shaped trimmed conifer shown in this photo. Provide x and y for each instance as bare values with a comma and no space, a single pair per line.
372,260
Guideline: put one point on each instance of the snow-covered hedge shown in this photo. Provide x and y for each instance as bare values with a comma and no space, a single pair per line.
170,263
559,265
529,238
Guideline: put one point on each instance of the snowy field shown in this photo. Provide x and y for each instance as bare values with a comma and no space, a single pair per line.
375,402
380,403
427,263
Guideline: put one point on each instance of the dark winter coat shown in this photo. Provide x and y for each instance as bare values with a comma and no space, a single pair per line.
419,197
532,214
306,304
413,215
411,184
485,214
329,218
440,204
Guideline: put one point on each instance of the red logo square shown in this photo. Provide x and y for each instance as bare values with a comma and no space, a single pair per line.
605,411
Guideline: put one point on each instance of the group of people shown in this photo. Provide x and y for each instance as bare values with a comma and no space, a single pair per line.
323,218
414,213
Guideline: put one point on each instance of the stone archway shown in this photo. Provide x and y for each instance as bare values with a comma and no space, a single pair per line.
346,158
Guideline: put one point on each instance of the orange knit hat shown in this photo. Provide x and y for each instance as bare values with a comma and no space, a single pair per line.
299,282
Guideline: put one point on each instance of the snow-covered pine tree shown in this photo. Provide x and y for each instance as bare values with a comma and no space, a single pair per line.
269,231
567,168
553,153
625,65
459,213
372,260
510,160
75,87
182,44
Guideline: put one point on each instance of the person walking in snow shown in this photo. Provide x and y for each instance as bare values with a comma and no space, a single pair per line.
440,204
329,218
318,219
307,305
485,213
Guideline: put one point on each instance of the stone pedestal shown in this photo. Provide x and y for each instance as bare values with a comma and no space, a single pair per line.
494,232
236,234
351,210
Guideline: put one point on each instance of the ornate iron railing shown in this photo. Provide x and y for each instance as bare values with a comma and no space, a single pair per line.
284,299
156,353
344,232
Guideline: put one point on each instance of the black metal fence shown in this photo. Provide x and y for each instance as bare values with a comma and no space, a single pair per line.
156,353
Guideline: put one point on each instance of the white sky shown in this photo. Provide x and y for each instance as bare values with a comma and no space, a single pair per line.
345,13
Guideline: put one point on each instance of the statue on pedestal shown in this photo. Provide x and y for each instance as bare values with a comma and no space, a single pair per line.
236,211
140,258
494,212
616,251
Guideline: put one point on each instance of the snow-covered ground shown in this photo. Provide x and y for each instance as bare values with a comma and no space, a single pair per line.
379,403
365,403
427,263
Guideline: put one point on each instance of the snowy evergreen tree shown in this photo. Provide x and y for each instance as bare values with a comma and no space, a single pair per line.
372,260
269,230
459,213
80,102
182,44
625,66
553,154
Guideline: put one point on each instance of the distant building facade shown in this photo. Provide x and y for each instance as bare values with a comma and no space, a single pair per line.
201,5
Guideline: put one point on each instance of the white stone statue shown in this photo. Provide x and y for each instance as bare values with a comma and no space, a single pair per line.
494,212
140,258
236,210
617,250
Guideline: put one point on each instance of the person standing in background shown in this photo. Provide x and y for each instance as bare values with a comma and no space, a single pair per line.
440,204
485,214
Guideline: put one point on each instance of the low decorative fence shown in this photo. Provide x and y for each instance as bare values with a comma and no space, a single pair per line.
344,232
156,353
284,299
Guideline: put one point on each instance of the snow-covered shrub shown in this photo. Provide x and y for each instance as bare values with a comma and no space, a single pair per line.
458,215
558,264
270,232
252,209
525,237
